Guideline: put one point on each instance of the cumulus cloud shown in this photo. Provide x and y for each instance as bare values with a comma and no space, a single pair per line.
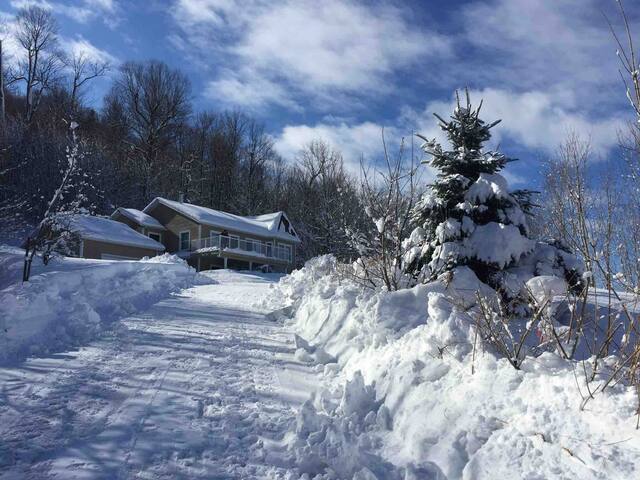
252,92
533,119
312,48
562,47
357,141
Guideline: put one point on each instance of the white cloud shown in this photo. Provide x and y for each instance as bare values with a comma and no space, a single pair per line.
82,11
189,13
363,140
80,45
562,47
534,119
252,92
356,142
7,35
313,48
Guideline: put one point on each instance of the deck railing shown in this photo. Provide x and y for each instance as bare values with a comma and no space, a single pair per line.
248,247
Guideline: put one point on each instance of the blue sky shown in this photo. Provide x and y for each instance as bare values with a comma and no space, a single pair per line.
342,70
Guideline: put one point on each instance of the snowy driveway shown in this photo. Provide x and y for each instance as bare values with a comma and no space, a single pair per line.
192,388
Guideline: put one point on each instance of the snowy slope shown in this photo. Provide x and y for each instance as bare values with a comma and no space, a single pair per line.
409,397
70,301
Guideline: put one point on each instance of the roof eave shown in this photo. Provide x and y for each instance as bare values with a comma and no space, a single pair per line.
124,212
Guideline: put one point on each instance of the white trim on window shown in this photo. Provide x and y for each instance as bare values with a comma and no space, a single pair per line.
180,241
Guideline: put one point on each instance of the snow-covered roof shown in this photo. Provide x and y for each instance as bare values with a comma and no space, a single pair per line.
139,217
270,225
110,231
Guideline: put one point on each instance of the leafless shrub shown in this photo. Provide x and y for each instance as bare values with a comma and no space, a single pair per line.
586,206
509,335
388,194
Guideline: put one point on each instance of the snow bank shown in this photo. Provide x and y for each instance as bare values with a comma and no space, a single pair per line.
409,397
70,301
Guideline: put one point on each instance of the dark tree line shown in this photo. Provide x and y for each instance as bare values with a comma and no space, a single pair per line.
147,140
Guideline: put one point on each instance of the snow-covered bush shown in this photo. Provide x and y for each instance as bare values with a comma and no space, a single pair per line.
469,217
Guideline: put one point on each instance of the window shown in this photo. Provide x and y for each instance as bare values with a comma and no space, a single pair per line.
185,240
269,249
155,236
234,240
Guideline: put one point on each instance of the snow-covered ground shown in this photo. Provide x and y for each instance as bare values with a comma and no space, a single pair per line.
309,376
201,385
71,300
411,398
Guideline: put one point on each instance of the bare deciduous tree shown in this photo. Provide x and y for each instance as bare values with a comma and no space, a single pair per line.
37,34
154,99
83,70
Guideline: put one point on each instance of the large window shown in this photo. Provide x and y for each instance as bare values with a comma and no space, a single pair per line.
233,241
185,240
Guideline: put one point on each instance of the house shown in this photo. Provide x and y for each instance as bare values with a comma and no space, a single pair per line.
206,238
106,239
209,238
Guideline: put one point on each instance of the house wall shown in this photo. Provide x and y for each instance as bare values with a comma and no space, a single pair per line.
95,249
174,224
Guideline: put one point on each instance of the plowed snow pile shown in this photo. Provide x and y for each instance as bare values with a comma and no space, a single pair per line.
71,300
400,400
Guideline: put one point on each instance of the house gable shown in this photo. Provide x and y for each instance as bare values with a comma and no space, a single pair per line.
174,222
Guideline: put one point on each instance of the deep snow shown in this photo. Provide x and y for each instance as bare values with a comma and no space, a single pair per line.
309,377
408,397
201,385
70,301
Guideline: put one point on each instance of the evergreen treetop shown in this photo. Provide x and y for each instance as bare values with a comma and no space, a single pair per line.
467,216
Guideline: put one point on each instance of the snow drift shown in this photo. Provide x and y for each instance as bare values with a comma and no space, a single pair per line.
408,396
70,301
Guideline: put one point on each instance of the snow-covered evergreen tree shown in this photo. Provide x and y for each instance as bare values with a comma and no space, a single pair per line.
469,217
